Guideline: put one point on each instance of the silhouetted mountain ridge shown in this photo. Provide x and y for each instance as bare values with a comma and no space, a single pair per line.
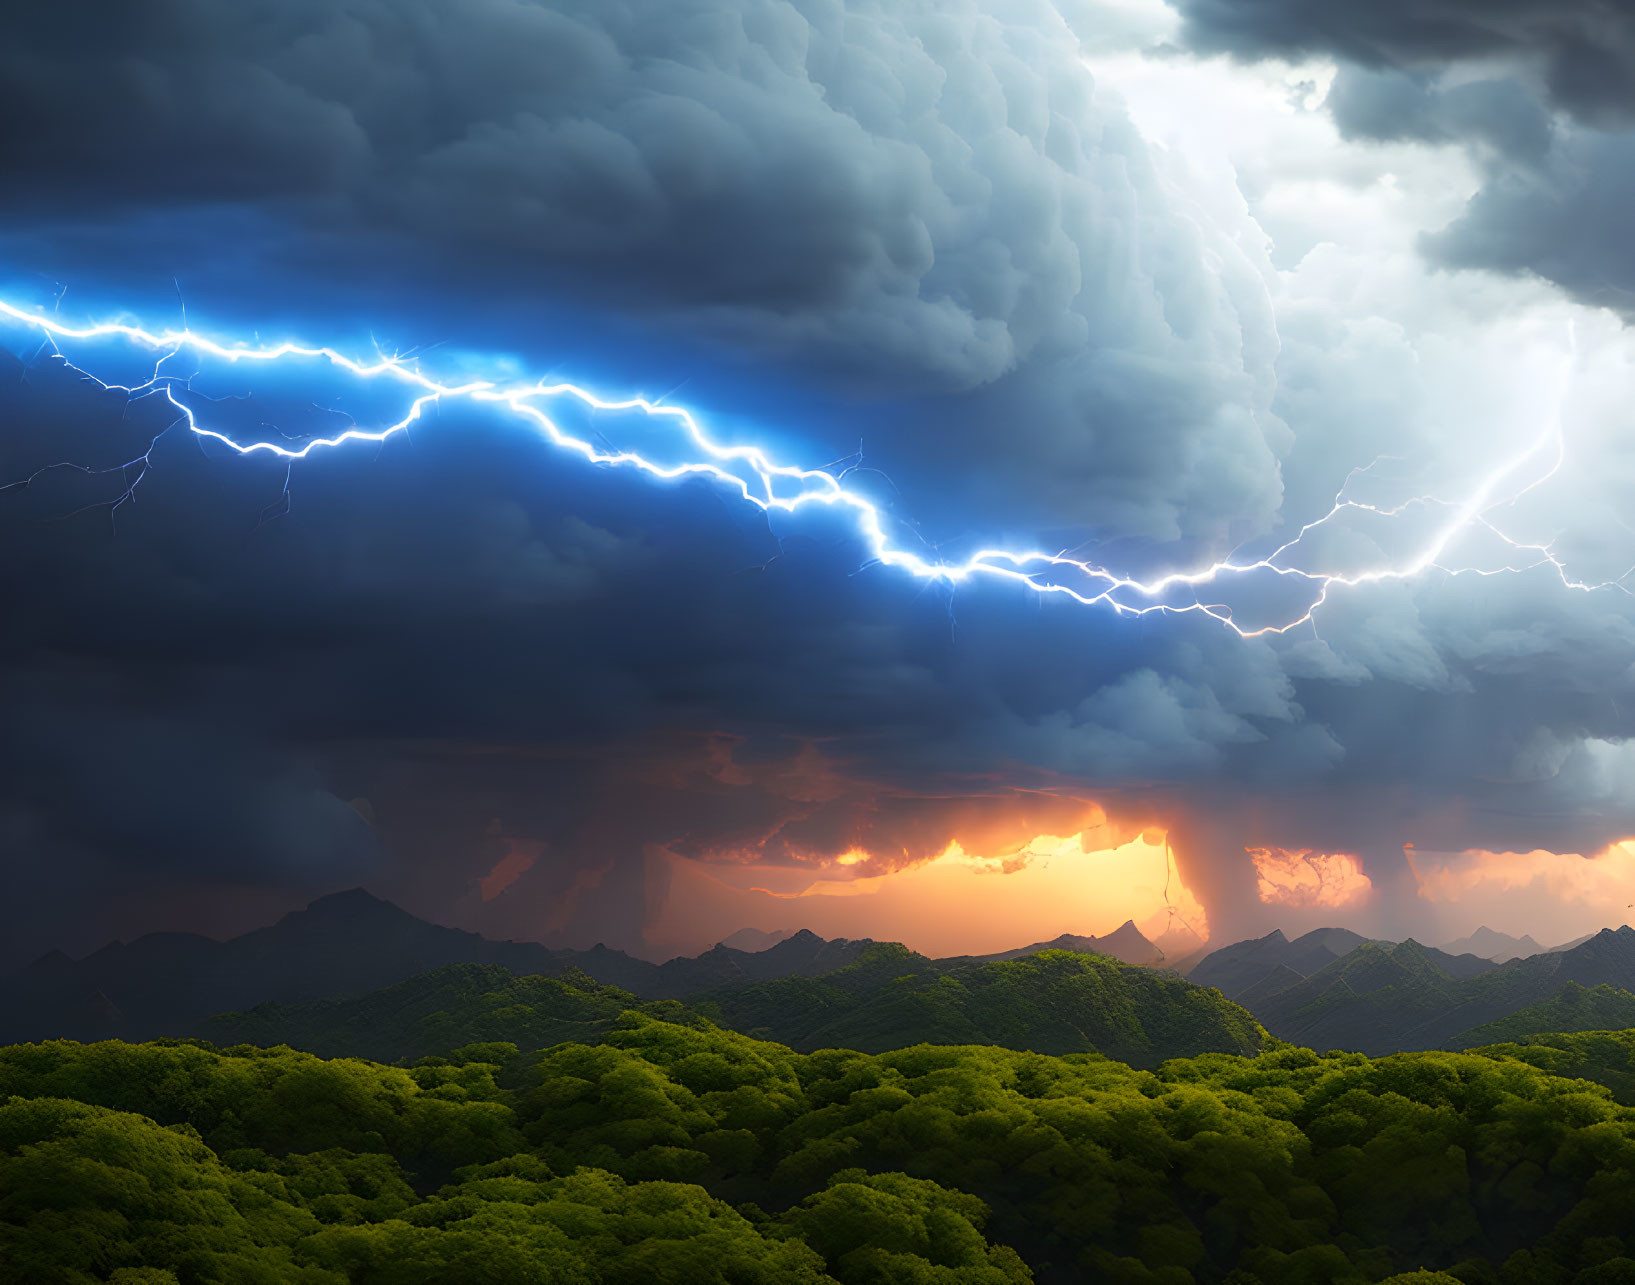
753,939
354,943
1126,942
1383,998
1235,968
161,983
1485,943
1329,988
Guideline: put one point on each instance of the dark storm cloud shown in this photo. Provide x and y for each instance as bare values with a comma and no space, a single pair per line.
1568,222
483,640
1582,51
916,221
914,200
1544,91
1392,104
490,644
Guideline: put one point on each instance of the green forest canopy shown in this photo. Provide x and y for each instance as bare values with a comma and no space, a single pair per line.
680,1152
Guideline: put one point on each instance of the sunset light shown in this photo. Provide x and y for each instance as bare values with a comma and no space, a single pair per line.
959,902
1549,894
1300,877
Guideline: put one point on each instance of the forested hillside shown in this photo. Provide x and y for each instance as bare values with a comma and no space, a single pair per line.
684,1153
1057,1116
1574,1008
1606,1057
1381,997
448,1007
1055,1002
348,943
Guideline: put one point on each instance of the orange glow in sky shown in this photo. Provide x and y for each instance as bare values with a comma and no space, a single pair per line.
1300,877
957,903
519,858
1548,894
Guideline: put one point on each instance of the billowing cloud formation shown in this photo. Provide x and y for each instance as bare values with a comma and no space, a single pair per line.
1582,51
923,224
925,198
1329,879
1545,91
1561,894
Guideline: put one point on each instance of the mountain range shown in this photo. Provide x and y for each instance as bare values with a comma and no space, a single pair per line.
1325,991
889,997
1126,942
1234,969
1485,943
754,939
348,943
354,974
1573,1009
353,943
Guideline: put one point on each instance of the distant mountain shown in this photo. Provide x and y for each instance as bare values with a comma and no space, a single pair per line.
1572,1009
1183,964
751,940
1485,943
1054,1001
348,943
1235,968
1576,941
1125,942
1382,998
1367,1000
1606,956
803,955
1277,981
162,983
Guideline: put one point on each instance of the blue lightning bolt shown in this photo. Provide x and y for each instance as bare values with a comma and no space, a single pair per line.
772,486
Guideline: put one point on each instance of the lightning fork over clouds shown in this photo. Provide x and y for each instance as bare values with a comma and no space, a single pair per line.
772,486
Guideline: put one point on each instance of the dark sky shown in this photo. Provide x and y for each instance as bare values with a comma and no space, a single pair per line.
927,229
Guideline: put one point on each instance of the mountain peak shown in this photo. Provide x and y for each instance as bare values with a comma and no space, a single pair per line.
1125,937
753,940
1331,937
1488,943
51,964
350,901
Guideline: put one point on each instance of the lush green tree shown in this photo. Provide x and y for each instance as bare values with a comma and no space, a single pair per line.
86,1192
881,1229
275,1100
512,1223
657,1153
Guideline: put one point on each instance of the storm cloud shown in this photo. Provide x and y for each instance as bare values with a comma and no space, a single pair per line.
1581,53
1544,93
908,198
924,226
